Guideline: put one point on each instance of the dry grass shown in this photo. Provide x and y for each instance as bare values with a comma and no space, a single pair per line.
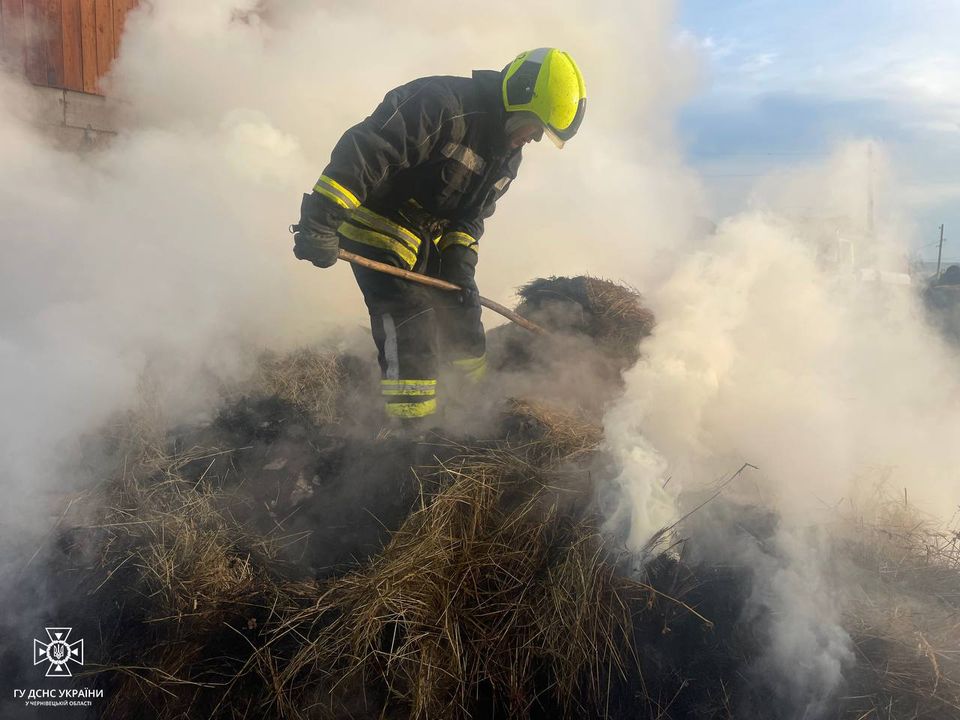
905,616
611,313
485,589
909,549
178,536
910,651
496,592
171,573
553,435
488,589
307,378
620,318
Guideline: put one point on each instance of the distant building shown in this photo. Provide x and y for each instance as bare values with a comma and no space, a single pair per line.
64,48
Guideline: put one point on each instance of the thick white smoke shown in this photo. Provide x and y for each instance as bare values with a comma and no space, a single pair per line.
168,249
789,342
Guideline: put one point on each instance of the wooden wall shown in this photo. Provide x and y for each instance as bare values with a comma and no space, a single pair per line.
62,43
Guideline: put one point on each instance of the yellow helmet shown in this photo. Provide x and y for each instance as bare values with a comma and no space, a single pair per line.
547,83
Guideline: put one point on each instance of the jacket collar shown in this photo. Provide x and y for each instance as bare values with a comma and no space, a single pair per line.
490,83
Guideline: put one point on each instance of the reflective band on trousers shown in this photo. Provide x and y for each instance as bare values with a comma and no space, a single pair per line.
472,368
330,188
458,238
412,409
409,398
408,387
378,240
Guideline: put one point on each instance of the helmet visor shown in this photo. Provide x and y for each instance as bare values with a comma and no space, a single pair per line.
560,136
554,138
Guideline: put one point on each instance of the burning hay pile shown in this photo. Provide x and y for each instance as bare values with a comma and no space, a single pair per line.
494,595
489,596
608,313
232,577
274,564
595,330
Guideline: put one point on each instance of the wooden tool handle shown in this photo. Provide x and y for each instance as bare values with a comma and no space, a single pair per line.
439,284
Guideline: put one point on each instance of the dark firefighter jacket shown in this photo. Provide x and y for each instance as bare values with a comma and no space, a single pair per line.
425,168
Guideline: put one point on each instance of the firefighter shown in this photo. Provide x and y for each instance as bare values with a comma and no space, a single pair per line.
411,185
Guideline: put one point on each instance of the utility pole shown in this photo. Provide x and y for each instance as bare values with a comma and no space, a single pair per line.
940,252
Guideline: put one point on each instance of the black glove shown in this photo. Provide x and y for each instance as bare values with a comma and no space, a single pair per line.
316,243
469,296
315,236
458,266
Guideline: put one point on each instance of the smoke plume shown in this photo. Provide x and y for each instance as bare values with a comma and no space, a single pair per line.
789,341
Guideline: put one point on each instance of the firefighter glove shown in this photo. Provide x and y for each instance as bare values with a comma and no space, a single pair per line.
313,240
469,296
317,244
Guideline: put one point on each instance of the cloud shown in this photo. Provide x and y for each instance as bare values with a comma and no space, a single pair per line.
838,73
755,63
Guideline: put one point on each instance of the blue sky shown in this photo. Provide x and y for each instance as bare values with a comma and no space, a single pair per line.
784,81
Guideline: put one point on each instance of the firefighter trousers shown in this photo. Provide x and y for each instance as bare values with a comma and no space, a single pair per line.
415,329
